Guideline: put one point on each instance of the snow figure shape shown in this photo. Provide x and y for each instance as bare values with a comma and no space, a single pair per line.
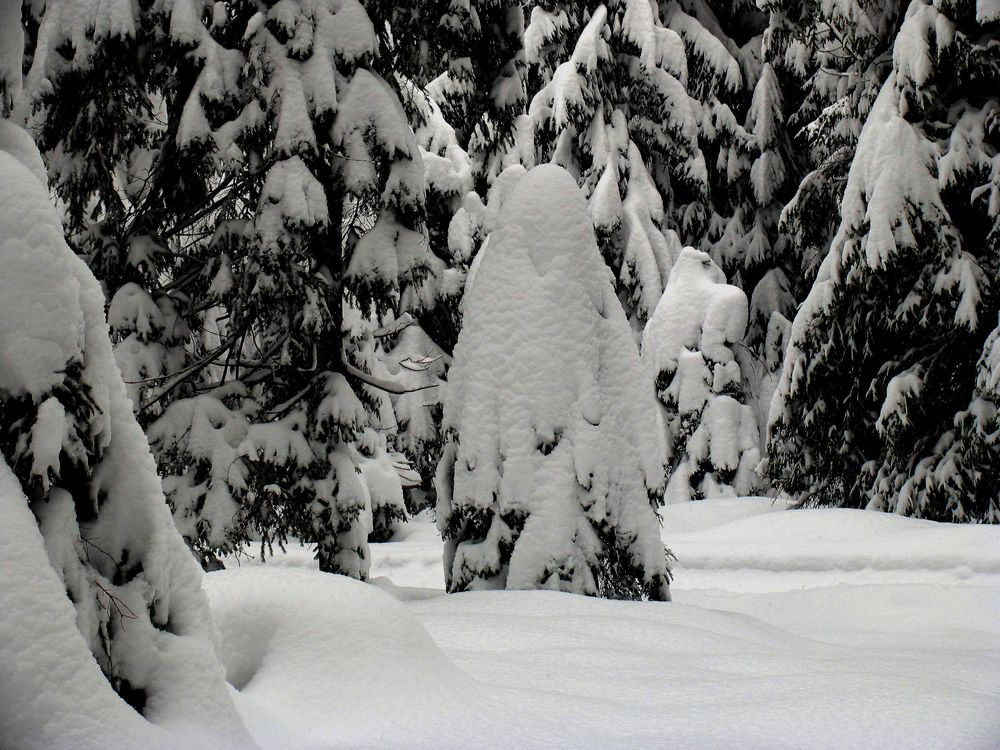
553,464
687,346
96,577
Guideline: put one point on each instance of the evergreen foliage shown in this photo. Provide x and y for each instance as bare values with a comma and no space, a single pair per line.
885,396
287,191
70,444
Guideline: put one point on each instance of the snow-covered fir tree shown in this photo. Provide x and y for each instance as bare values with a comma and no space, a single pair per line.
687,347
470,56
885,399
831,59
699,152
751,167
326,146
312,207
614,111
553,464
96,577
104,95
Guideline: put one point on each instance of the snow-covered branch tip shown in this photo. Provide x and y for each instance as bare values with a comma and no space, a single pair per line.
401,323
381,383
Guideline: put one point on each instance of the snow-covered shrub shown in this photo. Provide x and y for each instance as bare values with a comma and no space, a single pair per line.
687,347
96,577
553,465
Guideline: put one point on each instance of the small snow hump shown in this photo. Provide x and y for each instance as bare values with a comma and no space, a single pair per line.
553,465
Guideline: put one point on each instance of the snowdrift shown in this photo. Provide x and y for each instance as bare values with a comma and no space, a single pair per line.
326,661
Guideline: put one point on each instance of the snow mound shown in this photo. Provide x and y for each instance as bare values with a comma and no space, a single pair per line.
40,639
682,518
326,660
691,676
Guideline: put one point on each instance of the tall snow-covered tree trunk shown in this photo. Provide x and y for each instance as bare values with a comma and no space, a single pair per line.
335,151
553,466
302,192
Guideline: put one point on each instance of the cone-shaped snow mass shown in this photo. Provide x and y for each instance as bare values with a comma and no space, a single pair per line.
97,578
554,461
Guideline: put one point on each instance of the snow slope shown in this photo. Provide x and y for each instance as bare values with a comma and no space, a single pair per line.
800,629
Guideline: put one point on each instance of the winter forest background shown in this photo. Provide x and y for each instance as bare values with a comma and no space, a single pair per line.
503,285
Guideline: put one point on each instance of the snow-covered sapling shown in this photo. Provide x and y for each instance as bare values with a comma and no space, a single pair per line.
553,465
688,347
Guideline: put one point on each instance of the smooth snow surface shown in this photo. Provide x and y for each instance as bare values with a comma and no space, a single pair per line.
789,629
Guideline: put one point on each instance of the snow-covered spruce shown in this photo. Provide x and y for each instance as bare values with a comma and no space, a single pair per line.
300,201
96,578
889,369
831,60
469,56
613,110
554,464
687,347
104,94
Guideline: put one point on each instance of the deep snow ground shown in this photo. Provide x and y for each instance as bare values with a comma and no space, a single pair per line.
798,629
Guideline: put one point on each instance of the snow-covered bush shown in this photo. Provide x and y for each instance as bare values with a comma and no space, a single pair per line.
553,465
687,347
96,578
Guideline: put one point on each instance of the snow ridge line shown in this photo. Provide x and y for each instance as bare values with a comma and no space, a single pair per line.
814,564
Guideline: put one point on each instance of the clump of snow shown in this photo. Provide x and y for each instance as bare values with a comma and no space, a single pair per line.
322,660
553,454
